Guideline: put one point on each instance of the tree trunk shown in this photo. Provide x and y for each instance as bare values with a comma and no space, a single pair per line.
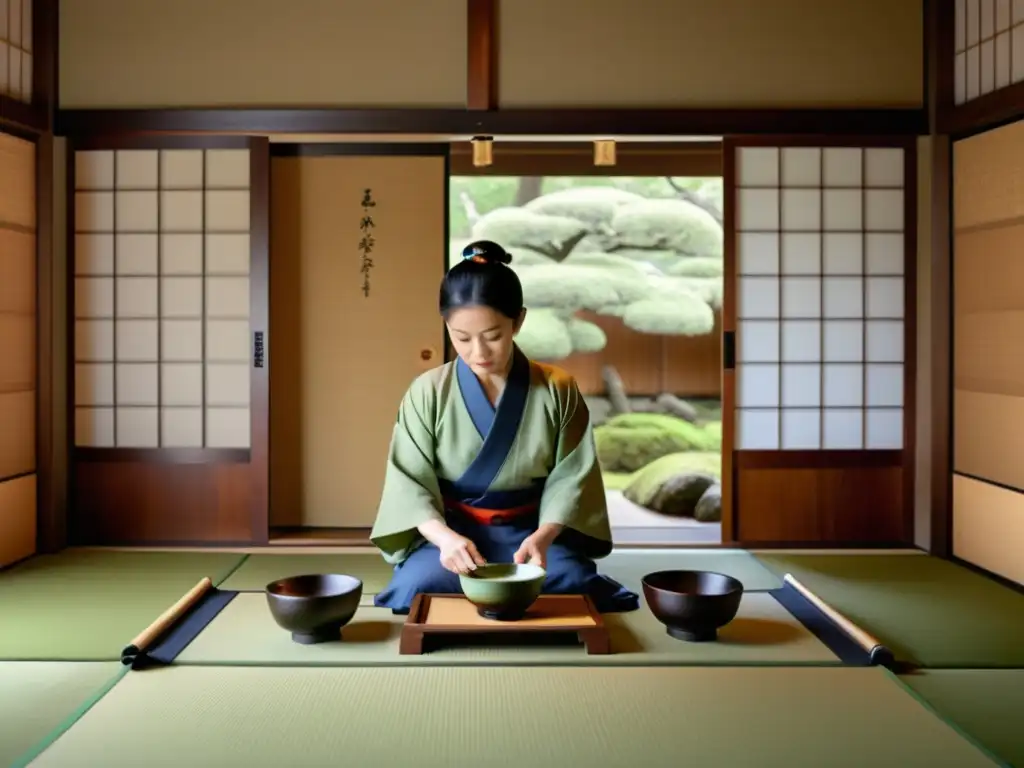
529,189
615,390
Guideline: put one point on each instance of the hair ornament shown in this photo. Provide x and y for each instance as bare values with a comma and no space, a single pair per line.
486,252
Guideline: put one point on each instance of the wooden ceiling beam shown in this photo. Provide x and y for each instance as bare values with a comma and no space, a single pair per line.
482,60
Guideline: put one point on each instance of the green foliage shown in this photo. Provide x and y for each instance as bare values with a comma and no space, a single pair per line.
518,227
633,269
547,335
678,463
674,225
621,246
594,206
616,481
651,187
695,436
661,260
568,289
586,337
698,266
713,429
630,441
486,193
686,316
544,335
627,450
709,289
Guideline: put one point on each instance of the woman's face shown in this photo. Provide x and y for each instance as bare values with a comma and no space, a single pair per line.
483,337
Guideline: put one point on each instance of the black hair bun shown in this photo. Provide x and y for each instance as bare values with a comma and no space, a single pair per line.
486,252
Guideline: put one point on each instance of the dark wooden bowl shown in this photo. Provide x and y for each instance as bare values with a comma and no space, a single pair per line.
314,608
693,605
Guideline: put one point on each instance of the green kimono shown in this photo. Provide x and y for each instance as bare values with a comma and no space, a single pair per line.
451,447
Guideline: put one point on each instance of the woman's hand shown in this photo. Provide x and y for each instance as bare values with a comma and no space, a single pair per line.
535,549
459,554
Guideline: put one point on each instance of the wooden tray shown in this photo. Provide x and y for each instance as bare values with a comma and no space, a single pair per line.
440,615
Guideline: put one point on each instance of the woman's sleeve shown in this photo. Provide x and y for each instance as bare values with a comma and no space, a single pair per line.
411,494
574,494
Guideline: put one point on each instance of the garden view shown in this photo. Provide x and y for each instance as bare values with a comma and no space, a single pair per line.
622,278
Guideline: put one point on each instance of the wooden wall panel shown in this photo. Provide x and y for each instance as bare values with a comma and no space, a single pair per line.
692,365
18,342
988,350
115,54
18,190
154,502
17,289
987,527
17,519
687,366
17,349
857,504
821,297
699,54
17,433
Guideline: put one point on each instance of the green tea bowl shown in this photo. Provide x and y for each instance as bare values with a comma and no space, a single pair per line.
503,591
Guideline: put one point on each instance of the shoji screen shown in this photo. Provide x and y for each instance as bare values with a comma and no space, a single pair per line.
18,344
988,350
16,49
170,304
989,47
818,248
820,312
162,298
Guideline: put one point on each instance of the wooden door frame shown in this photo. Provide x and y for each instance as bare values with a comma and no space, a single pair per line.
707,158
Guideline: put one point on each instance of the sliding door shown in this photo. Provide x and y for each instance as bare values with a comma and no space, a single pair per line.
359,244
18,331
820,250
988,338
170,356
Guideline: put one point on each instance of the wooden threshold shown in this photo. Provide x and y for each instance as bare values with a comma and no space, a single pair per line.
318,537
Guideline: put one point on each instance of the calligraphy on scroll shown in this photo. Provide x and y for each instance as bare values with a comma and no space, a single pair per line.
366,239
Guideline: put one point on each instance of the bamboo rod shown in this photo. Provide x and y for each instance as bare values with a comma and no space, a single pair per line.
168,617
876,650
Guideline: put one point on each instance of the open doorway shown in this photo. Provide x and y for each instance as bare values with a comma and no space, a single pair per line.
623,278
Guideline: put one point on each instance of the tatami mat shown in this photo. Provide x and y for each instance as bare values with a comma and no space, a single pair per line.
986,703
628,566
763,633
87,604
38,697
927,610
443,717
259,570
